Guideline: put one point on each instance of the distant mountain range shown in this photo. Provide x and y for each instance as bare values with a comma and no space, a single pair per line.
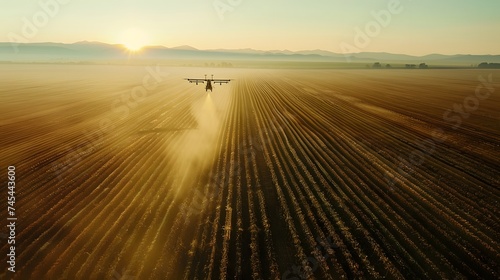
95,51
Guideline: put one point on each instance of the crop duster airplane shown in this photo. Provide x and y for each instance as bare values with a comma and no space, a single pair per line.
209,81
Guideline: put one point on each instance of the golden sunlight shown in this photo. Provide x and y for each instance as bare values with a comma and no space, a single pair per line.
134,39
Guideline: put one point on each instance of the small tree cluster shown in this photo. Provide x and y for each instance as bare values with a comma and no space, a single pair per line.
378,65
222,64
489,65
423,66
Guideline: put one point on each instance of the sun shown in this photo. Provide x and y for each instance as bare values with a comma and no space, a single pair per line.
133,46
134,39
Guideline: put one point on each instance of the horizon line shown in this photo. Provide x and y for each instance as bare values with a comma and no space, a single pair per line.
282,50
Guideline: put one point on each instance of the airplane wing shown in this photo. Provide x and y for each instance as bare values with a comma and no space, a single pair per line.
195,80
220,82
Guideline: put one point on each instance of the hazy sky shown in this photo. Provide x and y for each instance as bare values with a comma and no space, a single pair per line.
417,27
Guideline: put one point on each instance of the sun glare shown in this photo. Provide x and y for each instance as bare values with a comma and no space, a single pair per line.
133,39
133,46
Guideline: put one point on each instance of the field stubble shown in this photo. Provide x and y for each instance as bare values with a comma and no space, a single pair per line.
279,174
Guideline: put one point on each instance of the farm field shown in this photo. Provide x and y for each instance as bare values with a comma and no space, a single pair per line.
134,173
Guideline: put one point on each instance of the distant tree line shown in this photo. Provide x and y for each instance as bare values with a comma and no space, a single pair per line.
420,66
222,64
489,65
378,65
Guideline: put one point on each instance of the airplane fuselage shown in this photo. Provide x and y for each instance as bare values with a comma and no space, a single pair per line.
209,86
